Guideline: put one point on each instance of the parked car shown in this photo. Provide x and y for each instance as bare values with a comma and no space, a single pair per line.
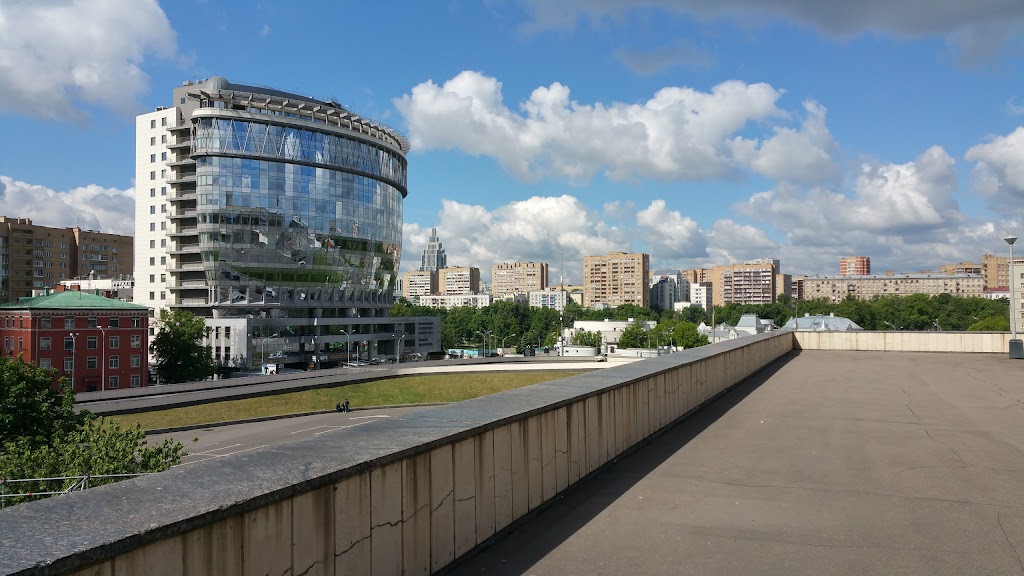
601,358
375,361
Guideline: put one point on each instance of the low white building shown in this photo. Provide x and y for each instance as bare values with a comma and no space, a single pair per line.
555,299
610,330
456,300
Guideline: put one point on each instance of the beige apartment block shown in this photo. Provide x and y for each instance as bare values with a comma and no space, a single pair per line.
518,278
837,289
35,257
419,283
459,280
962,268
996,270
855,266
753,282
696,275
617,278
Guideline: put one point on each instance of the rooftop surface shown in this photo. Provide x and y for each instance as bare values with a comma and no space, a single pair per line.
825,463
70,300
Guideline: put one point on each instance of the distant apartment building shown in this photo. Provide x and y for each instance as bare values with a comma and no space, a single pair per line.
555,299
753,282
615,279
961,268
34,257
458,280
836,289
796,287
456,300
518,278
701,295
419,283
854,266
665,293
696,275
996,270
433,257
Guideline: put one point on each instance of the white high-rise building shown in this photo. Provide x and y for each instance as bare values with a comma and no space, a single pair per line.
700,295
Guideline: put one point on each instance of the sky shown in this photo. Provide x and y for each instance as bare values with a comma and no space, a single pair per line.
702,132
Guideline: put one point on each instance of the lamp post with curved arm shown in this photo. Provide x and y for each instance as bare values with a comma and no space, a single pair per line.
74,345
103,359
503,340
348,340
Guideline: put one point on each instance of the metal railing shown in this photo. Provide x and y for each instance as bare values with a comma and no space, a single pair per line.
25,489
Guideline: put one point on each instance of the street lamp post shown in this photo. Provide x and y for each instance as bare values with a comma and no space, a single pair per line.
399,359
103,359
1016,346
503,340
348,341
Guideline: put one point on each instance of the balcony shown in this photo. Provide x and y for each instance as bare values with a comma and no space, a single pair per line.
188,267
184,179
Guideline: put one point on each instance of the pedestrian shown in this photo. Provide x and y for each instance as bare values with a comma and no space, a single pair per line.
345,406
338,407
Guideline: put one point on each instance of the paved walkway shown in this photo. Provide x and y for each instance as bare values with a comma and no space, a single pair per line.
833,463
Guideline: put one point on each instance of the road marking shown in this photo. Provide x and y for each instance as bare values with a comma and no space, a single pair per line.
212,456
308,429
336,428
215,449
364,417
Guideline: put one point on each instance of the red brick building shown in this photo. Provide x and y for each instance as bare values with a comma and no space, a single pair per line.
96,343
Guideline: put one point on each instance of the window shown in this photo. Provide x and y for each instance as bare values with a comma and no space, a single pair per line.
114,382
152,243
163,156
45,343
114,322
136,360
135,381
69,365
91,363
152,278
163,225
152,175
152,296
163,121
115,342
92,343
44,323
163,173
152,226
163,277
152,141
113,363
163,208
152,209
152,192
21,343
44,363
136,322
152,261
163,139
163,190
69,343
69,321
92,322
163,242
152,158
163,295
163,260
136,341
152,123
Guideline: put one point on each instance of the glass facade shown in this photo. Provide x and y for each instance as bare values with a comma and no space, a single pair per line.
281,209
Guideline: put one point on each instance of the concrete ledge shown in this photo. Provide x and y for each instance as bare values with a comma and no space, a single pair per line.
904,341
389,495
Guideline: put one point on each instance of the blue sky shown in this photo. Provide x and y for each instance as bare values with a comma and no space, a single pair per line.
700,131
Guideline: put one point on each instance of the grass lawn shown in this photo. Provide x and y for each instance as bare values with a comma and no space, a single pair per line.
404,390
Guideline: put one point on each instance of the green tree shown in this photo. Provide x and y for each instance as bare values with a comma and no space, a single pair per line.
41,436
34,405
991,324
179,350
634,337
586,338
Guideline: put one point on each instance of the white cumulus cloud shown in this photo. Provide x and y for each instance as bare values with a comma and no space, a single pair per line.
678,134
795,155
669,234
999,172
57,54
91,207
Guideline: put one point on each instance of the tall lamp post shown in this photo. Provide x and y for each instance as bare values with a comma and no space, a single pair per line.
348,340
503,340
103,359
1016,346
399,359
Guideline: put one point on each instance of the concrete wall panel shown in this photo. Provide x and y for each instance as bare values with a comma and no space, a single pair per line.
217,548
266,541
104,569
503,515
386,520
416,514
352,525
574,416
561,449
593,439
464,455
547,456
313,532
534,462
520,469
442,507
484,446
161,558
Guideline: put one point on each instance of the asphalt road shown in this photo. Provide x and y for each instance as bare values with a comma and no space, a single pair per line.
219,441
845,463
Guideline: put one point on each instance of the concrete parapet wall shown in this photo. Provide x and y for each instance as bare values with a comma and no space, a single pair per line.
404,496
994,342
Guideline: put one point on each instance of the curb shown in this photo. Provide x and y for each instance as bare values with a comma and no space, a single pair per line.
280,417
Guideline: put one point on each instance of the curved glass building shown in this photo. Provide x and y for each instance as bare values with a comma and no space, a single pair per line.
277,210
